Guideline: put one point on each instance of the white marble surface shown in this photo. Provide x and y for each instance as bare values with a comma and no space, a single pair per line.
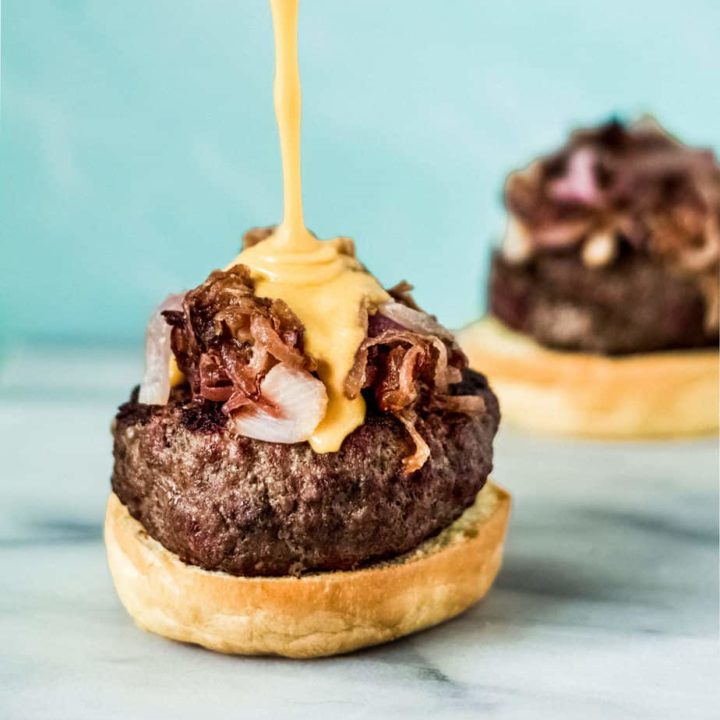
606,607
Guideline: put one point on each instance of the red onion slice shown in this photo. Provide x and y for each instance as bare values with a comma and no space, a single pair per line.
155,387
579,184
299,401
414,320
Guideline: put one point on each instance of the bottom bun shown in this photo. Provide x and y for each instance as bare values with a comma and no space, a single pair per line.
312,615
661,394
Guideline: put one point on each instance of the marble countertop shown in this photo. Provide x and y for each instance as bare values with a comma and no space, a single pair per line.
606,606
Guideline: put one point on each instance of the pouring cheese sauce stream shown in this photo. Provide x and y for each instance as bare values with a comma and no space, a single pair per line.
326,288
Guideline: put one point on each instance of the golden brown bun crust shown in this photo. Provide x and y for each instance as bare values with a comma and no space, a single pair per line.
314,615
663,394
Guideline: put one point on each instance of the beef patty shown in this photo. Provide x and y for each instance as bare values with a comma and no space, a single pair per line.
634,305
247,507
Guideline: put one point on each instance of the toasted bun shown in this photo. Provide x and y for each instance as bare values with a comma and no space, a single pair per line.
662,394
313,615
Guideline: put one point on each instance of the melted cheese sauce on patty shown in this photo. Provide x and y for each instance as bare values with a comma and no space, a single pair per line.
327,289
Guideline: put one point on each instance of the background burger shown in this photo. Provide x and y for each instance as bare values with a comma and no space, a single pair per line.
604,296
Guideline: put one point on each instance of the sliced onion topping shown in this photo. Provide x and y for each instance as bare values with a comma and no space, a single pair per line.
294,404
155,387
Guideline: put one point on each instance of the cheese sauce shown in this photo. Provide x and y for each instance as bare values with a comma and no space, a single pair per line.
326,288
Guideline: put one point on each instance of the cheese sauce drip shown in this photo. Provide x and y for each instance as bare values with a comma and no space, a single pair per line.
326,288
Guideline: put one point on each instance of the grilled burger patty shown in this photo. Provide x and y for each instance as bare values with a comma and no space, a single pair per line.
247,507
632,306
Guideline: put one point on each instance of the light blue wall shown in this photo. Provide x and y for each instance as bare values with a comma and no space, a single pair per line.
138,139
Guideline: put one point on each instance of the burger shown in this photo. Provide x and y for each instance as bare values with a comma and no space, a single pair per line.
249,515
603,298
304,469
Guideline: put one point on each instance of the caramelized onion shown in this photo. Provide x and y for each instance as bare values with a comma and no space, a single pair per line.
409,361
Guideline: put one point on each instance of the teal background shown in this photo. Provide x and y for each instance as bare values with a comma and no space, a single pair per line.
138,138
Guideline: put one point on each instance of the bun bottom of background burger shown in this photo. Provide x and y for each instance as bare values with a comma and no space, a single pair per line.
313,615
642,395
